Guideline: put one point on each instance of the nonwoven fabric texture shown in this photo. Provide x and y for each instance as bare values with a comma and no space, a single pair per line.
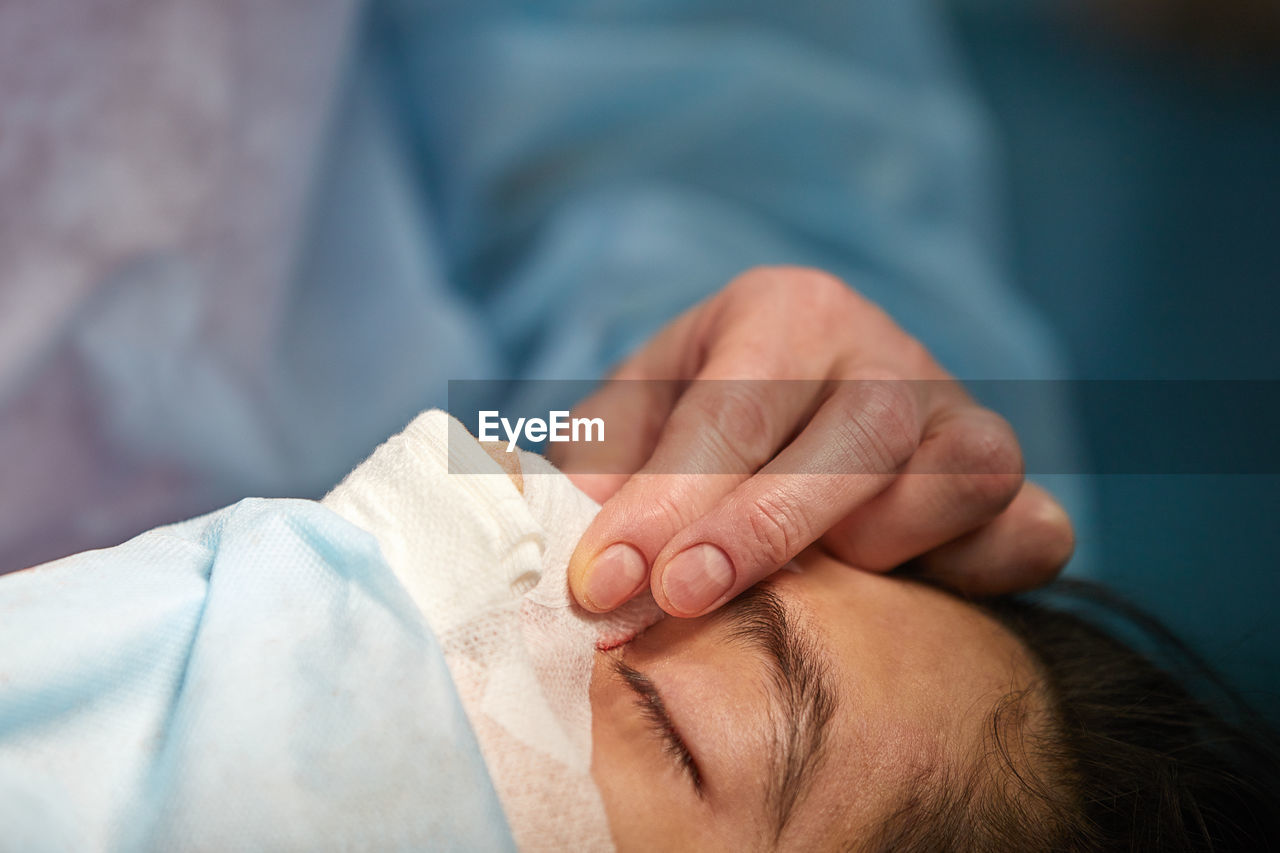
487,565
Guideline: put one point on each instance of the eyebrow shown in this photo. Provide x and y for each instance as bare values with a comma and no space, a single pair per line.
802,691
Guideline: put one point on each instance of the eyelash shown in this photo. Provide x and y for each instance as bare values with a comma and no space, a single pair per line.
672,743
651,708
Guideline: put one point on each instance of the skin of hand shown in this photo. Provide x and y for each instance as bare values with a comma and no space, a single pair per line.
853,464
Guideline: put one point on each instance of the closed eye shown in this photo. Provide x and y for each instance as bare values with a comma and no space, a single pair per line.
655,713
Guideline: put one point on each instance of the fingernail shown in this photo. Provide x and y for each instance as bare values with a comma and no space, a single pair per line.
697,577
615,575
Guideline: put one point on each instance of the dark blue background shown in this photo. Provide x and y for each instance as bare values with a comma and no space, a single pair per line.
1144,187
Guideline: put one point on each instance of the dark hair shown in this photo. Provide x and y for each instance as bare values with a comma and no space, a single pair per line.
1108,751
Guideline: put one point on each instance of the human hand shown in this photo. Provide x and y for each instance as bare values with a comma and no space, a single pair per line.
733,479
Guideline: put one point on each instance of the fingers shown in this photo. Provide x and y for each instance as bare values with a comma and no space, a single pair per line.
718,434
1024,547
734,478
768,323
966,471
848,453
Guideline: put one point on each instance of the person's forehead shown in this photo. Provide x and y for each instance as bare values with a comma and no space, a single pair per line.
901,630
918,673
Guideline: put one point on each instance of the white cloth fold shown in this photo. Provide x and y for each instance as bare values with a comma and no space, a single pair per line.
487,567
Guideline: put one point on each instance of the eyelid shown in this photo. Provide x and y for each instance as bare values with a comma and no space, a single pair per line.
654,710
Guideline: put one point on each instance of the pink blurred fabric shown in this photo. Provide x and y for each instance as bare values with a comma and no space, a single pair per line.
142,135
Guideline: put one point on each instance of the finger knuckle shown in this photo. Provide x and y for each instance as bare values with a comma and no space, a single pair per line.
737,421
663,512
880,423
819,282
988,446
755,280
987,459
813,281
983,495
778,529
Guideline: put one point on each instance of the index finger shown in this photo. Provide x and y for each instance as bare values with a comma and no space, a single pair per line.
720,432
849,453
